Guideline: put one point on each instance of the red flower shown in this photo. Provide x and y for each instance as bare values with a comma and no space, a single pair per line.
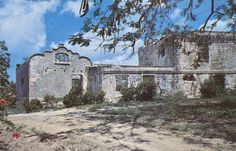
16,135
3,102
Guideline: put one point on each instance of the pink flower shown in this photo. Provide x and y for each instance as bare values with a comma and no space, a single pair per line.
16,134
3,102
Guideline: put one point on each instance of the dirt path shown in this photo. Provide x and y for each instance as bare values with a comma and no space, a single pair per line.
74,129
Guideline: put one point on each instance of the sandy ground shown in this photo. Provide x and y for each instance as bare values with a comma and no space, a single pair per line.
79,129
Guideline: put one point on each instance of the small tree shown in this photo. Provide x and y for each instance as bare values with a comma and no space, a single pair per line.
4,65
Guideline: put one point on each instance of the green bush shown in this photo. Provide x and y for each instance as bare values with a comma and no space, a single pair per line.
49,100
4,122
72,99
92,98
99,97
33,105
128,94
76,98
208,89
145,91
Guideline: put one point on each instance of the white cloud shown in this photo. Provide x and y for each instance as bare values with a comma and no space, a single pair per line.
73,7
101,57
22,26
220,26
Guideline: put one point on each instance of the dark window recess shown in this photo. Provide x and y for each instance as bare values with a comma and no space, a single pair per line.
76,83
148,78
203,53
22,81
189,77
219,80
121,82
162,51
61,57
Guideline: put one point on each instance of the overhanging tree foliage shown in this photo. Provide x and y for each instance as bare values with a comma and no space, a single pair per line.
126,21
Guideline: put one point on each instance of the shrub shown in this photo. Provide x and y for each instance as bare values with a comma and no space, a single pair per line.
33,105
128,94
49,100
9,94
99,97
145,91
208,89
92,98
3,115
76,98
72,99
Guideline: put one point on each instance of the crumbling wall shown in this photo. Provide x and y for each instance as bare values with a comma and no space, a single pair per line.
221,56
94,78
156,55
22,81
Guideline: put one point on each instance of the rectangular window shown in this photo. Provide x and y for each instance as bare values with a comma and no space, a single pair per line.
76,83
121,82
189,77
219,80
203,53
148,78
62,57
22,81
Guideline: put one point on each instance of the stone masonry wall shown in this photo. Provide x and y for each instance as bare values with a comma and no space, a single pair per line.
156,55
221,57
168,80
22,81
49,77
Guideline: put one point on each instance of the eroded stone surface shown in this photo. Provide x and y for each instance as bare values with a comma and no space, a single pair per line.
181,64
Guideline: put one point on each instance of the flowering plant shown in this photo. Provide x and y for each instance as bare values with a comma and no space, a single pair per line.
3,104
8,125
16,135
3,114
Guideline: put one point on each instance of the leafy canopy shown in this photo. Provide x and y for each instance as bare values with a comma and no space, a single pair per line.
126,21
4,65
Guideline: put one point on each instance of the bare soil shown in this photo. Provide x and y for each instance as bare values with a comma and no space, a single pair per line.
137,127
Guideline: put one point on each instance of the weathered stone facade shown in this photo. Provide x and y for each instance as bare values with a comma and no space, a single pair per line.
42,74
175,63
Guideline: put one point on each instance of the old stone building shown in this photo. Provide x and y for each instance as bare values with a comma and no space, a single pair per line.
175,63
53,72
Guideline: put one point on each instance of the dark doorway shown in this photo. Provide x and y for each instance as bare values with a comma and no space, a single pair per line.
77,82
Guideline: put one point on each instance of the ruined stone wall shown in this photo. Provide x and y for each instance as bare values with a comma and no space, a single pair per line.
94,78
22,81
156,55
221,57
168,80
49,77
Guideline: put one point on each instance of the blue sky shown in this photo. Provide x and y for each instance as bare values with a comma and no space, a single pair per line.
30,27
